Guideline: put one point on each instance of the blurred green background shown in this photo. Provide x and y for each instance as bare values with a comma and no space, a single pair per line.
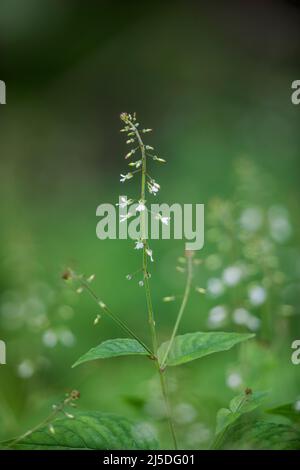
213,80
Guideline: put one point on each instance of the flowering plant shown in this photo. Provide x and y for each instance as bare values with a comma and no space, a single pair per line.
96,430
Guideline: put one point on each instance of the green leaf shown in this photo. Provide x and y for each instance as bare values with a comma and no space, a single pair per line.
260,435
288,411
239,405
113,348
87,431
192,346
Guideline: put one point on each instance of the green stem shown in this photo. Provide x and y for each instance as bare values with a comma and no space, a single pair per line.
50,418
114,317
168,405
181,310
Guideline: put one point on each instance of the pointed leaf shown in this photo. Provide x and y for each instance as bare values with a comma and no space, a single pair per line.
192,346
260,435
113,348
89,430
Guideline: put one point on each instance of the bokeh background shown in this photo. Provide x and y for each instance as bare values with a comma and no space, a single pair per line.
213,80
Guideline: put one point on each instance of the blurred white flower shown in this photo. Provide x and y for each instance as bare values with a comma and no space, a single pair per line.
232,275
184,413
234,380
215,287
26,369
67,338
251,219
257,295
217,316
50,339
280,227
197,433
240,316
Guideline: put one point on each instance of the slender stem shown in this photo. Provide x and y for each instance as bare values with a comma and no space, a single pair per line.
58,408
168,405
151,318
114,317
181,310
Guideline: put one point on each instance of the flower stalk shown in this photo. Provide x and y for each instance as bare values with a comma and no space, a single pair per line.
56,410
153,188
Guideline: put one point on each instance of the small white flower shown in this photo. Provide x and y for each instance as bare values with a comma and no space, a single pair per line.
124,202
125,177
251,219
139,245
137,164
297,406
149,253
129,154
153,187
124,217
165,220
141,206
141,283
